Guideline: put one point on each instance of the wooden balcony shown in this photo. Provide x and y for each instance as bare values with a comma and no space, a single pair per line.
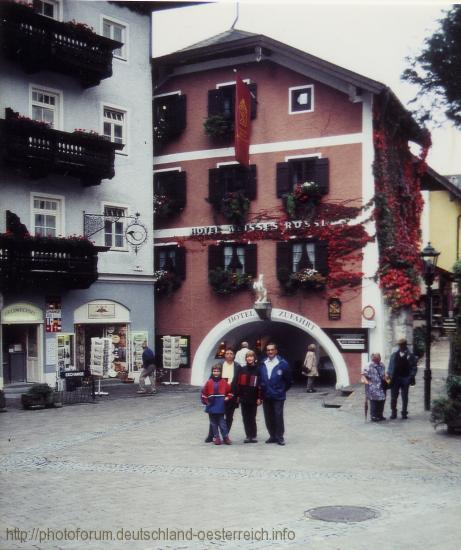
39,150
47,263
39,43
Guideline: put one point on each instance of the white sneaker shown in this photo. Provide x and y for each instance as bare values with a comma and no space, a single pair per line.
141,391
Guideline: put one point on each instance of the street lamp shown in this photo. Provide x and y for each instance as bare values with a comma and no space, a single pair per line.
429,256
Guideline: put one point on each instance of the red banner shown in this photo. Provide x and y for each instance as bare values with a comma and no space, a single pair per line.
242,122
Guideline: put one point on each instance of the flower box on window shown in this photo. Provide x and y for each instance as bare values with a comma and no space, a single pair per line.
170,262
169,193
230,190
302,202
225,282
231,267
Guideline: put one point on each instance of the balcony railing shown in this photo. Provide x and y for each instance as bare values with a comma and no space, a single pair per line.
39,43
45,262
40,150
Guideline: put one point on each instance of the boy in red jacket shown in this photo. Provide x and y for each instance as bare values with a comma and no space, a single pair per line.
214,393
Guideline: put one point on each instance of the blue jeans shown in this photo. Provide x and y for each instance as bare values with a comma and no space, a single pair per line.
218,423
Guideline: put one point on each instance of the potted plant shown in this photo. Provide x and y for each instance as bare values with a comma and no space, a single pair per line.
302,201
39,396
217,126
165,282
447,410
165,206
235,206
226,282
304,279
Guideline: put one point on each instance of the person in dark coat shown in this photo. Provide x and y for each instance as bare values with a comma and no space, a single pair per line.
248,393
402,372
276,380
148,370
215,393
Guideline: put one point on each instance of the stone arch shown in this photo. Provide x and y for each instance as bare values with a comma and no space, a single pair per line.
205,352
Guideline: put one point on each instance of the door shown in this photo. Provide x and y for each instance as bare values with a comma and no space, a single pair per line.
33,363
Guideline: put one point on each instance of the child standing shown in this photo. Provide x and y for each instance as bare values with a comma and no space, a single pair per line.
249,395
215,393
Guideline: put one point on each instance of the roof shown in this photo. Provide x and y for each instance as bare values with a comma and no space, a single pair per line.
433,181
237,43
235,47
147,7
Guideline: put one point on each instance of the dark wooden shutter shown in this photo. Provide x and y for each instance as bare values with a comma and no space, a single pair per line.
157,184
177,114
156,257
179,189
180,262
214,102
308,170
322,175
321,257
251,260
215,256
283,179
254,103
251,184
215,189
284,260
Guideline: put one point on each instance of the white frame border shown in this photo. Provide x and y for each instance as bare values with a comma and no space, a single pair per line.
290,105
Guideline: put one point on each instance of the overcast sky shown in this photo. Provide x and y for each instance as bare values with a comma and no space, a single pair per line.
371,38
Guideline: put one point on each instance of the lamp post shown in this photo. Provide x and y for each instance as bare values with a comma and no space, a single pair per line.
429,256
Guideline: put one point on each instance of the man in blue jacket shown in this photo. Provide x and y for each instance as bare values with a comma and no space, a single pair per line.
275,382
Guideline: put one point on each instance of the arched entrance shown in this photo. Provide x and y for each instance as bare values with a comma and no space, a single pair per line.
204,356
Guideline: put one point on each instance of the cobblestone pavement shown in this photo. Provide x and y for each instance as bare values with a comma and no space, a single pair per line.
137,470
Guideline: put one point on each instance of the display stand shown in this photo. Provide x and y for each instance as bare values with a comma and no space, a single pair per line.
99,392
171,356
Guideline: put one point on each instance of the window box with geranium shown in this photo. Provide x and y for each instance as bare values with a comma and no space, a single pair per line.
234,207
169,193
170,262
225,282
166,282
301,203
218,127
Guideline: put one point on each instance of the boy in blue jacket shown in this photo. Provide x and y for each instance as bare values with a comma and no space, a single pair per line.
215,393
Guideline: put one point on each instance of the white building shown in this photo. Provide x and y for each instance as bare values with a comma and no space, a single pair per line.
71,70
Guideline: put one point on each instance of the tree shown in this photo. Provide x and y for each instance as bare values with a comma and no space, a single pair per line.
437,71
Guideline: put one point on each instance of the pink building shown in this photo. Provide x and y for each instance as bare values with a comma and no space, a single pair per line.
219,225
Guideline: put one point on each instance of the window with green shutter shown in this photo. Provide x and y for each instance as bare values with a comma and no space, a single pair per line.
299,171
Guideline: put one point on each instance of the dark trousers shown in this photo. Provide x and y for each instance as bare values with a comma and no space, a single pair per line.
249,411
273,416
229,408
218,423
376,408
403,385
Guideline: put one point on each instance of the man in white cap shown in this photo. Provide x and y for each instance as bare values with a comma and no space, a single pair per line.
241,354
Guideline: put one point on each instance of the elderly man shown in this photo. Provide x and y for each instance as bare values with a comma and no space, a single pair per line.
402,371
241,354
276,380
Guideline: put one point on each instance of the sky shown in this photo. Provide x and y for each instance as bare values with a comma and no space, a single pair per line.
370,38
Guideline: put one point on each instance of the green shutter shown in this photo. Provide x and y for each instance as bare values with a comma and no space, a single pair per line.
251,259
180,268
215,256
283,179
322,175
321,257
284,260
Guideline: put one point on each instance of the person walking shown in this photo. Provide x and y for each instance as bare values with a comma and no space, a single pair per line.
248,393
310,368
401,372
215,394
148,370
229,369
276,380
240,356
374,377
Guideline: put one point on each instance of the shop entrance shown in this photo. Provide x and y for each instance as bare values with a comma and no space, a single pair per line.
20,353
292,333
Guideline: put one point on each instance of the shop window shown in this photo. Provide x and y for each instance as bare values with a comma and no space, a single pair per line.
301,99
169,116
221,102
115,125
169,193
45,106
46,216
114,226
298,171
171,258
116,30
230,179
233,257
293,257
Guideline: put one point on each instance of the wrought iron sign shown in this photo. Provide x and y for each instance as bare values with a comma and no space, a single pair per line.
135,231
334,309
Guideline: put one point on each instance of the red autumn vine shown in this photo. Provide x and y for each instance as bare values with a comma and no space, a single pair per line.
398,207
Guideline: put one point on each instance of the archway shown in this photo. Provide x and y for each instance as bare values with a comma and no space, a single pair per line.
206,350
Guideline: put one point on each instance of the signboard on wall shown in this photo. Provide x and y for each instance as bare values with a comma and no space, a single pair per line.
349,340
53,316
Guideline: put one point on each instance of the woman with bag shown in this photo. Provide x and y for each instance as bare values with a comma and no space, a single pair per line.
310,368
374,378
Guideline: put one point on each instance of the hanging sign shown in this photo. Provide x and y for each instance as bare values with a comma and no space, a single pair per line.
334,309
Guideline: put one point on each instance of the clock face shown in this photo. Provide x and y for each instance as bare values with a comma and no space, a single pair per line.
368,312
136,233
